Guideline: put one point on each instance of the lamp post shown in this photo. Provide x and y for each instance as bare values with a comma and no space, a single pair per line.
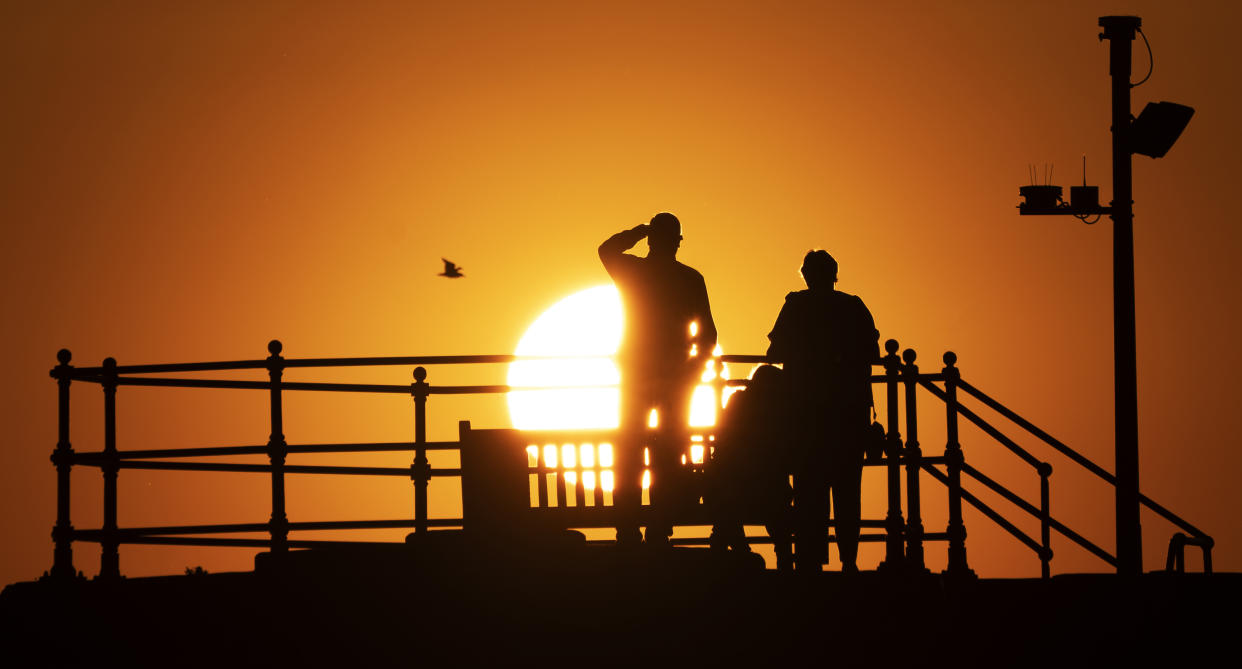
1151,134
1119,31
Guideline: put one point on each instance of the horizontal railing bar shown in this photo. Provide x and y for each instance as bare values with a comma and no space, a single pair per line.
403,360
202,541
94,458
387,388
741,357
378,447
324,543
1075,456
1035,512
158,535
188,541
990,513
395,389
761,359
78,373
127,533
571,435
397,523
703,541
483,390
559,439
877,524
875,378
182,452
501,388
170,368
193,383
288,469
989,429
265,385
251,543
232,528
323,362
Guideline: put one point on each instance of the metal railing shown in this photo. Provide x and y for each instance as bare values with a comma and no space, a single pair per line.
903,533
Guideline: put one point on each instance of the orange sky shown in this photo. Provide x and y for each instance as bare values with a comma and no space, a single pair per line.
185,182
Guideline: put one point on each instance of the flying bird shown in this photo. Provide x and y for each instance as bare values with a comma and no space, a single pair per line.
450,270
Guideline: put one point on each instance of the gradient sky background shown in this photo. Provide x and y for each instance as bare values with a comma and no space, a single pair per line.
185,181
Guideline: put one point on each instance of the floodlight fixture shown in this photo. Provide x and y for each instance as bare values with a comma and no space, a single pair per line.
1158,127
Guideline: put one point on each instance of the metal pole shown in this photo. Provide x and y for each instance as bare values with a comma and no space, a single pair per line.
420,471
1045,522
894,549
1119,30
109,556
954,458
914,462
277,450
62,458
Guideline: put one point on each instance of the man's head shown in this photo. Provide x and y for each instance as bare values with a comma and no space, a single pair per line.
819,270
664,235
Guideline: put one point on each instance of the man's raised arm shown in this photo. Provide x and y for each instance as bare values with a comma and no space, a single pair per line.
612,251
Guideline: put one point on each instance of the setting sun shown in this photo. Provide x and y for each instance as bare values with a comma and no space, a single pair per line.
587,323
578,335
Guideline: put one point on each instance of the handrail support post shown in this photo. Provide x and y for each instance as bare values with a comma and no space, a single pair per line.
913,458
954,458
894,525
62,459
420,470
1045,521
109,557
277,450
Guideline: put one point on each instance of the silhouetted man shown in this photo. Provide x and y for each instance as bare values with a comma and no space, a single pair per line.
827,341
669,334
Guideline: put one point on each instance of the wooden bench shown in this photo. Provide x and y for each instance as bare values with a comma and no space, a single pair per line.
546,480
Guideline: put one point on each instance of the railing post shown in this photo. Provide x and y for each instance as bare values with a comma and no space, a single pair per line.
894,549
1045,521
718,386
954,458
277,450
109,556
62,458
420,471
914,462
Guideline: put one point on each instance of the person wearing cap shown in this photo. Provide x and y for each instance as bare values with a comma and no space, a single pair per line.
669,336
827,342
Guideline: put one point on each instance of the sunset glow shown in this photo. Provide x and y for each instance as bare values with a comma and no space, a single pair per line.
188,181
581,390
587,323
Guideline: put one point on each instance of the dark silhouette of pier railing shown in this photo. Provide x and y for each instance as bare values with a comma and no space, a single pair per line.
558,493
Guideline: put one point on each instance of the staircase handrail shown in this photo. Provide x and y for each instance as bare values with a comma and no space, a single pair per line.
1077,457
